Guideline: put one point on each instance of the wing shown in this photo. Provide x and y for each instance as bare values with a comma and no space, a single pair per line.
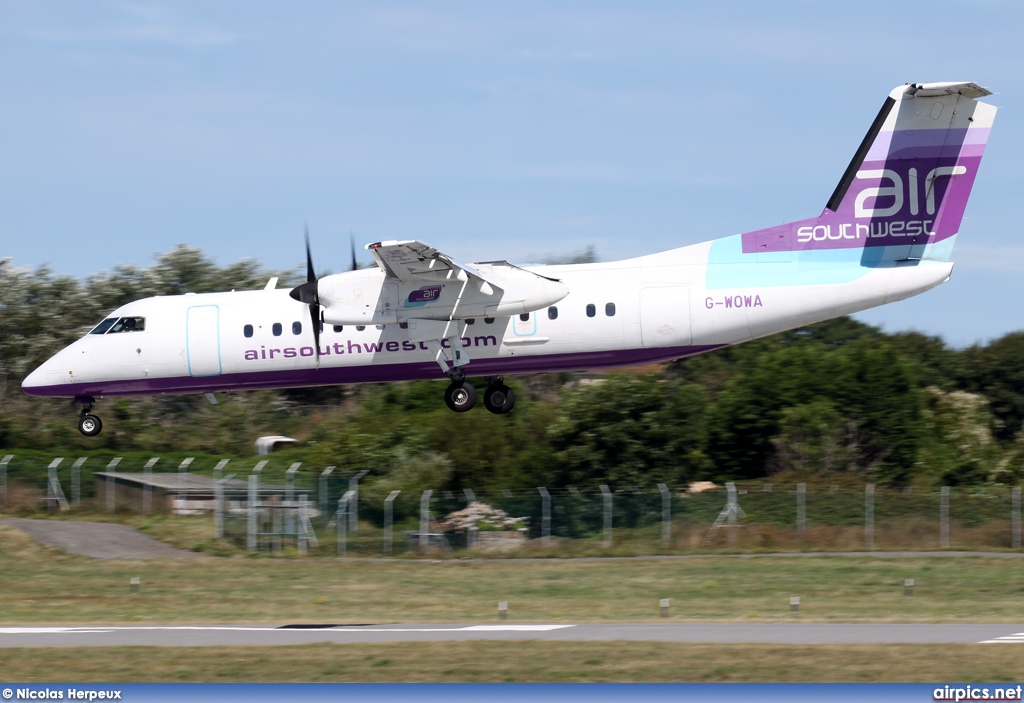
416,262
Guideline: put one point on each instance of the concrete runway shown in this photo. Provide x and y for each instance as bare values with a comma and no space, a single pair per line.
774,633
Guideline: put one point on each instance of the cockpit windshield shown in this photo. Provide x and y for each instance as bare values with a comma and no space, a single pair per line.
113,325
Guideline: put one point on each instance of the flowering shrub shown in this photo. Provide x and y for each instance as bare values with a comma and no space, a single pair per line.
484,518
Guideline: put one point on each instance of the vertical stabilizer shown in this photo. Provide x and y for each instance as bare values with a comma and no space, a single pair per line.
904,193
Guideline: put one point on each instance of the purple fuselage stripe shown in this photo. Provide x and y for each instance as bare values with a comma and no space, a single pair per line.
340,375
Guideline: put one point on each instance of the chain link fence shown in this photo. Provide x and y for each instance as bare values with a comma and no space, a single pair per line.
328,512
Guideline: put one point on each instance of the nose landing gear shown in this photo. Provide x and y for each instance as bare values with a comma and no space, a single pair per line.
88,424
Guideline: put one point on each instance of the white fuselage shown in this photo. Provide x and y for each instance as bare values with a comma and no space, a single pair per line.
652,308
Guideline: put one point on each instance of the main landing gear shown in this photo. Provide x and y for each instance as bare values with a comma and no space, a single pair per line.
88,424
461,396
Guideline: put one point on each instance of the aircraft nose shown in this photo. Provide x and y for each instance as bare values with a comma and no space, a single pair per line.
33,380
44,381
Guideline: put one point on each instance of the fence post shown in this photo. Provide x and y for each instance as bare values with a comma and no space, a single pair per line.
666,515
300,527
289,497
183,484
76,480
3,477
55,492
147,489
869,516
111,469
944,517
343,506
219,468
425,519
324,495
389,518
545,516
353,509
1015,527
254,490
801,509
218,507
607,513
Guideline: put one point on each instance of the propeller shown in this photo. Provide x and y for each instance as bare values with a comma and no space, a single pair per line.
309,293
352,243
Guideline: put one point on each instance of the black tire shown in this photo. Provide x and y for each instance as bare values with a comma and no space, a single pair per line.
89,425
499,399
460,397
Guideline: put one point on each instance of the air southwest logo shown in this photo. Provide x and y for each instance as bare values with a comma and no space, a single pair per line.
422,296
902,192
350,347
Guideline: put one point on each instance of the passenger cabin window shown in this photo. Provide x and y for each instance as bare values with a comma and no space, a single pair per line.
276,329
339,328
125,324
247,330
488,320
360,328
609,309
591,310
296,327
552,313
525,317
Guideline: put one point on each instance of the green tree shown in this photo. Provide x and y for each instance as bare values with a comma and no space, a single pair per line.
629,430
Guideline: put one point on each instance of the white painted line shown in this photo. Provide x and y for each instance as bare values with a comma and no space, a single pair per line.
1017,638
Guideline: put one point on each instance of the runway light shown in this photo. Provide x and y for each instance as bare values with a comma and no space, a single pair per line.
908,587
502,610
794,605
664,607
134,582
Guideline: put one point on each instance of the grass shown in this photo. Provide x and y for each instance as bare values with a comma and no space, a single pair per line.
46,586
533,661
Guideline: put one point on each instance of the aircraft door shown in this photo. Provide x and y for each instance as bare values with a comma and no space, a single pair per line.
202,340
665,316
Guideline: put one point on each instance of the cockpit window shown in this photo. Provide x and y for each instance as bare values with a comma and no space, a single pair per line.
104,326
123,324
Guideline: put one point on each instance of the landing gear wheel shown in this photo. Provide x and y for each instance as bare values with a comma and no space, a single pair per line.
499,398
89,425
460,396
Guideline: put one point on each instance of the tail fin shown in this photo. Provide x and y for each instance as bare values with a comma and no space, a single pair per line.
904,193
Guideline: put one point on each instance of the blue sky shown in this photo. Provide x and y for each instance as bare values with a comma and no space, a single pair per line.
489,130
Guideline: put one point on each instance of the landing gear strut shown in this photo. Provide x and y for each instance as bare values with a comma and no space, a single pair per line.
88,424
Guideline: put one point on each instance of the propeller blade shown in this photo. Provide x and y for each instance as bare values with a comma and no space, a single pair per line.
309,293
352,242
314,314
310,273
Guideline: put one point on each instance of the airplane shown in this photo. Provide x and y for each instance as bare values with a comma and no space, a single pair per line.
886,233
